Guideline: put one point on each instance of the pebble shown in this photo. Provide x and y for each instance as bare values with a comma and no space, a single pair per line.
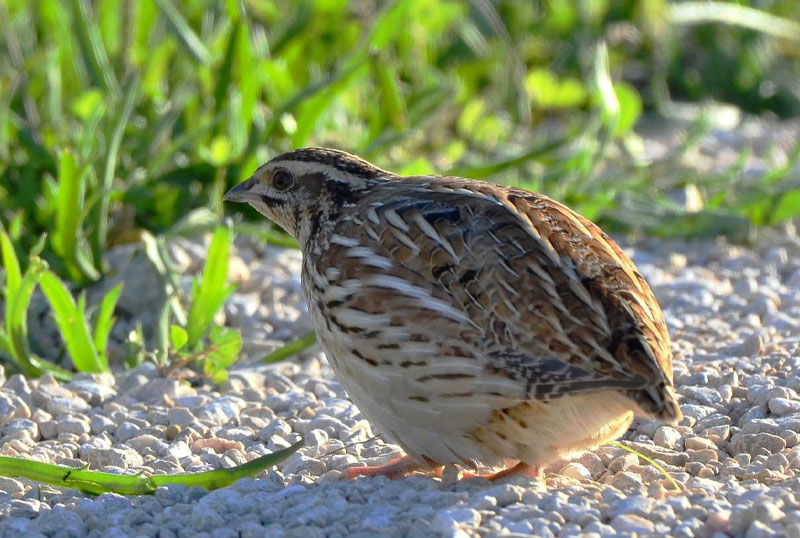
623,462
626,480
630,523
784,406
12,407
756,443
450,519
592,463
668,437
113,457
575,470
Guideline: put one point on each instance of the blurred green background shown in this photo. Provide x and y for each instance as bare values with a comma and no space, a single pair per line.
118,116
126,120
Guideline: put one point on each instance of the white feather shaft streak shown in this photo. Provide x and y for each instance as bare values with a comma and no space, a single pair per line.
364,320
337,239
369,257
426,300
431,232
403,238
394,219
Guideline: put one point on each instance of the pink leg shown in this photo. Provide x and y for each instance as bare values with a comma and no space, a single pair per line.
520,468
394,469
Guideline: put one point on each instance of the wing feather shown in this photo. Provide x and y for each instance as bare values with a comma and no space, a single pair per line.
548,300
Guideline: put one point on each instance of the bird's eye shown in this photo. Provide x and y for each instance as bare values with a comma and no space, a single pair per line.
282,180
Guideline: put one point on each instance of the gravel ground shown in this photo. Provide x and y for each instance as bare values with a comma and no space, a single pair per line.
734,313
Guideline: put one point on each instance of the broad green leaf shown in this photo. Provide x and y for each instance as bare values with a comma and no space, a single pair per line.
788,207
88,104
178,337
218,152
547,91
223,351
630,107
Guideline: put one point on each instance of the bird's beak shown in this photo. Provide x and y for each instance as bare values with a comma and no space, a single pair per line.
241,192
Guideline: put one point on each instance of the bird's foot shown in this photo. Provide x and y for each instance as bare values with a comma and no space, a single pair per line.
520,468
394,469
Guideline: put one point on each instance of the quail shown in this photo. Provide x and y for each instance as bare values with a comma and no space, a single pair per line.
472,323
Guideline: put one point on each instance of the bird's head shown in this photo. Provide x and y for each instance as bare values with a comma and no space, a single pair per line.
301,189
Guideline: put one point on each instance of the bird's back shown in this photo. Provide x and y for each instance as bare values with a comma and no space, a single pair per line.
538,294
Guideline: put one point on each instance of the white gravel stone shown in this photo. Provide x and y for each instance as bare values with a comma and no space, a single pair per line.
575,470
756,443
630,523
668,437
113,457
451,519
784,406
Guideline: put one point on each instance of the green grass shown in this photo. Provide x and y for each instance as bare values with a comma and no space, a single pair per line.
97,483
127,120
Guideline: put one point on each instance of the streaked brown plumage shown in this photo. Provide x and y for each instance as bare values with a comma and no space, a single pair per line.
469,322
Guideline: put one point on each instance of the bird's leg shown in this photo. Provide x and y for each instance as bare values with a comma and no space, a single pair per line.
394,469
520,468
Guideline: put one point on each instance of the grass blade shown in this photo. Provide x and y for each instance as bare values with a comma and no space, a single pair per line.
292,348
482,172
17,317
96,483
105,320
651,461
92,47
211,292
687,13
11,265
185,34
71,321
17,294
69,202
112,156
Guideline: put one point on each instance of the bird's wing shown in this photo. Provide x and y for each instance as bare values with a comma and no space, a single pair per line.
549,300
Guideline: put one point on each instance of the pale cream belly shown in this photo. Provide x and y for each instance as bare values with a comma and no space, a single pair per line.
474,428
